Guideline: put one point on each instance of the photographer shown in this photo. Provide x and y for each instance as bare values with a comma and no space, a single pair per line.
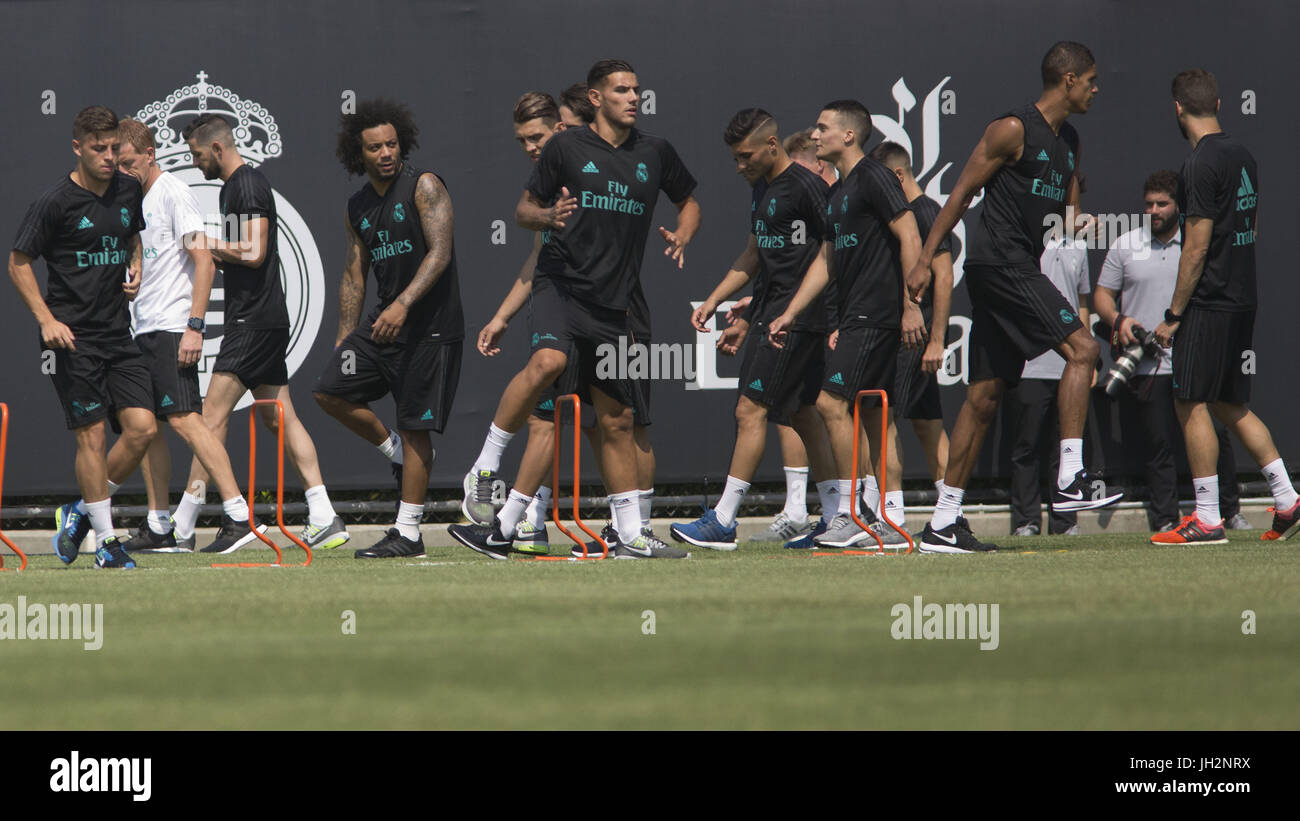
1140,272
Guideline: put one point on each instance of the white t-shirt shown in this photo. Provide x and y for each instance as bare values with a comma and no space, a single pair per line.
1066,265
1144,271
167,281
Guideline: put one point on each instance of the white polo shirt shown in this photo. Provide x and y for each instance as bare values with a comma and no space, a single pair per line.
1144,271
1065,263
167,281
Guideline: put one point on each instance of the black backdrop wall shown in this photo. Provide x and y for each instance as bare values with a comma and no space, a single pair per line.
933,73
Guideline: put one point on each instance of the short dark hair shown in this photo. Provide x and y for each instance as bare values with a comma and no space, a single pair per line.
97,119
892,155
209,128
137,134
856,113
1164,181
603,68
746,122
1197,91
800,142
1064,58
370,113
576,100
536,104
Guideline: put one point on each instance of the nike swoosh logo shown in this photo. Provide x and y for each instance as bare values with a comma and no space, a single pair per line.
952,540
494,543
1076,496
638,551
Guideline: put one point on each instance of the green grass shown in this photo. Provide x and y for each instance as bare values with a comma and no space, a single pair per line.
1109,632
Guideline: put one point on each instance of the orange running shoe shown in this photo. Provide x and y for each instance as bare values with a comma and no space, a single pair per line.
1191,531
1285,523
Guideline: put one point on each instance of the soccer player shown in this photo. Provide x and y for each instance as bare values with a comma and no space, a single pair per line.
871,238
1210,320
256,326
399,225
87,226
1026,162
916,392
1134,288
169,324
574,107
594,190
787,221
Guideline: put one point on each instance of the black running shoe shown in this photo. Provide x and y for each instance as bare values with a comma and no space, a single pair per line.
964,524
485,539
232,535
1076,496
111,555
144,540
609,535
393,546
952,539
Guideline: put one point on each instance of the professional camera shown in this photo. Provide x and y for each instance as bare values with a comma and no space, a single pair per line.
1127,361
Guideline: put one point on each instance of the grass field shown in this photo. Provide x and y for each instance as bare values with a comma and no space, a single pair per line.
1095,632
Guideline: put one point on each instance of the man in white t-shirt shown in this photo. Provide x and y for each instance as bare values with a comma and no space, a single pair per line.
1134,288
1033,401
168,322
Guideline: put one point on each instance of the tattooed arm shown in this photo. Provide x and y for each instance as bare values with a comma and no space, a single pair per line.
352,290
436,220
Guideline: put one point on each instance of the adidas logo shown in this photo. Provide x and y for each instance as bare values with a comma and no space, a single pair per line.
428,416
365,223
756,385
86,223
590,168
1246,188
1042,154
166,401
548,405
837,379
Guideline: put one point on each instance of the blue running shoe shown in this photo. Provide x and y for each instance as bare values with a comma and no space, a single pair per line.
70,529
706,532
112,555
805,542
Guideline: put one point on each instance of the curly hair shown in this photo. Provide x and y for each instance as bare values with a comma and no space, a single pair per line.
369,114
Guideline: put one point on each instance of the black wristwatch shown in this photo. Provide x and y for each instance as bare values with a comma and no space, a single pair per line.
196,323
1172,317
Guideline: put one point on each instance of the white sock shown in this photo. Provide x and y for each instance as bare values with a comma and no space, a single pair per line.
732,495
512,512
894,506
319,510
938,486
392,447
101,520
493,446
80,506
829,493
187,515
408,520
845,487
236,507
1207,500
796,494
1071,462
870,493
539,507
627,515
645,501
948,509
1279,482
158,523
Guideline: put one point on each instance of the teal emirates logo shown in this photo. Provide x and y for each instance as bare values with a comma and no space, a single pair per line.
399,212
641,174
